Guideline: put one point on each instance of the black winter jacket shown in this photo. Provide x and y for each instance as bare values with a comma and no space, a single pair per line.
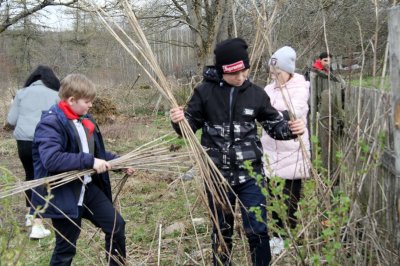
227,116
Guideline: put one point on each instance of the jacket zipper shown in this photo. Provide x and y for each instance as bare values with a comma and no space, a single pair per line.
230,105
231,130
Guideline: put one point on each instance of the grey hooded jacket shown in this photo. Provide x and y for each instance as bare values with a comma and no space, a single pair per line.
27,107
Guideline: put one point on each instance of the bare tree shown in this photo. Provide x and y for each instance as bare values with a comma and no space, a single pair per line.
183,33
209,21
11,12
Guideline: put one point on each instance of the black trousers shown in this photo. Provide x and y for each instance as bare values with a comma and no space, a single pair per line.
250,195
293,190
99,210
25,155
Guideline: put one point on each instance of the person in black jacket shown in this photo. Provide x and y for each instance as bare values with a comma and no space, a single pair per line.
226,106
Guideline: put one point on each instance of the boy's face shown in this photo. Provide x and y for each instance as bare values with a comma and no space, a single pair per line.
237,78
326,62
80,106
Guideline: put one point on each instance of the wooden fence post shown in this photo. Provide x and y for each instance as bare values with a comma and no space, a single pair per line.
313,103
325,118
394,58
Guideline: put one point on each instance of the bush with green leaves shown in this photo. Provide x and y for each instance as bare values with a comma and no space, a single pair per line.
318,237
12,239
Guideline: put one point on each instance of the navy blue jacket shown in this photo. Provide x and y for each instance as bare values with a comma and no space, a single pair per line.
55,150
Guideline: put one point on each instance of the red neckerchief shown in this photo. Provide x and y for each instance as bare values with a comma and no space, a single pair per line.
71,115
318,65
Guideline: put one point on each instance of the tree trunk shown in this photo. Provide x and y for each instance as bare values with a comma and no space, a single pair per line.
209,21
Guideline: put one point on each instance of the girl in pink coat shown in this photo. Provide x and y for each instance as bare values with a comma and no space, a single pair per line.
289,92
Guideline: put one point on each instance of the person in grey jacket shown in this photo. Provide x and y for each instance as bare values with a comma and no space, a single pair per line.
39,93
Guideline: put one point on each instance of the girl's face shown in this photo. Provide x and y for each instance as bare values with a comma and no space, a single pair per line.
279,76
236,79
80,106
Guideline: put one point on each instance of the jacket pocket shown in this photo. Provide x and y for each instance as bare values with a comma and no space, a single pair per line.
248,151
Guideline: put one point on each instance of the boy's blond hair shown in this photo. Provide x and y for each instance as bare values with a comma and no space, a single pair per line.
77,86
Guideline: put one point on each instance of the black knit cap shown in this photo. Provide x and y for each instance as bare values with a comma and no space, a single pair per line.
324,55
231,56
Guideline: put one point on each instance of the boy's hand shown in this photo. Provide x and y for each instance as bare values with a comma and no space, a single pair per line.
176,114
297,127
129,171
101,166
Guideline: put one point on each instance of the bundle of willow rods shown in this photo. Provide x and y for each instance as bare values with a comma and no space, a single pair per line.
152,156
209,174
209,177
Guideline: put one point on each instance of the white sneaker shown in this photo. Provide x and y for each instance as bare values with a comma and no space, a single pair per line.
38,231
28,220
277,245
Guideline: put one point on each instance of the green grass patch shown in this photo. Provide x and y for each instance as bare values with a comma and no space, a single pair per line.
370,82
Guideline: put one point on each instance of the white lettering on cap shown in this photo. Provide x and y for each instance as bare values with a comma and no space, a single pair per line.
233,67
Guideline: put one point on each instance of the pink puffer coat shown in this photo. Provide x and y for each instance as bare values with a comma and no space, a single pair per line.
285,158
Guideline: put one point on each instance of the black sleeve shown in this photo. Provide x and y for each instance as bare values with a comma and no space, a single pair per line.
194,113
272,121
285,115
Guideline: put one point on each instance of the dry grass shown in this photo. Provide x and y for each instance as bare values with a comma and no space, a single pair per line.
149,200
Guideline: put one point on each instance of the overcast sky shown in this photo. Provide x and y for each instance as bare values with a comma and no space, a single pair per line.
54,17
57,18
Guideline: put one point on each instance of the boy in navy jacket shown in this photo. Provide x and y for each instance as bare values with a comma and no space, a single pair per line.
68,139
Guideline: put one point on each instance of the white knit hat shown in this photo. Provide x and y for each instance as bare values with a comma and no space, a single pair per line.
284,59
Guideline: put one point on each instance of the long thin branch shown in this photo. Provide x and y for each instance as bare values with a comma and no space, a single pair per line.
9,21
